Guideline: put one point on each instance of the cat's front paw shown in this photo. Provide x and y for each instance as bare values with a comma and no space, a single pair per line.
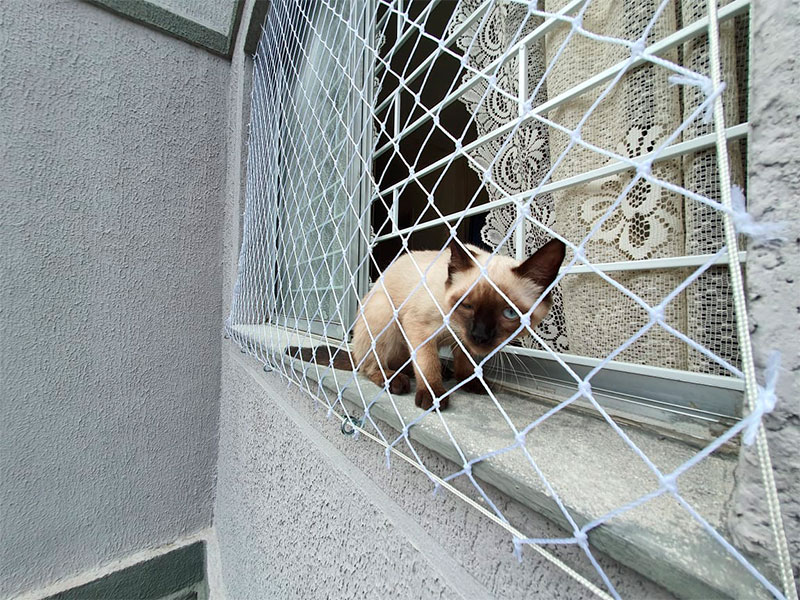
475,386
400,384
424,398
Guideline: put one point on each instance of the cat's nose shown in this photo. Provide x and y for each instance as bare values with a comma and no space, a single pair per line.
481,334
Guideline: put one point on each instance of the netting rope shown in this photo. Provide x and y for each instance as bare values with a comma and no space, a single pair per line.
308,239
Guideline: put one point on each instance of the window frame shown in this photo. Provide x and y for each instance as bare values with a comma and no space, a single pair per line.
671,400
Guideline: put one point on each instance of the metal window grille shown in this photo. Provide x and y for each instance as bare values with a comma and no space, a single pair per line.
378,128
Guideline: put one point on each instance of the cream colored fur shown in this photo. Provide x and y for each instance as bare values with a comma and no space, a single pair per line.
420,313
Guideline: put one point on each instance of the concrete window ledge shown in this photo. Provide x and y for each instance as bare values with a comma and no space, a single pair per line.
588,465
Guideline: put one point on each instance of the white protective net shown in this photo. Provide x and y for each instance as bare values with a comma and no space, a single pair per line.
450,153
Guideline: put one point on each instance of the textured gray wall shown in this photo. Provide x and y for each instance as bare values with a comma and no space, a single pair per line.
113,169
773,270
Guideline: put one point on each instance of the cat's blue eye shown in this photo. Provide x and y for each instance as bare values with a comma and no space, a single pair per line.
510,313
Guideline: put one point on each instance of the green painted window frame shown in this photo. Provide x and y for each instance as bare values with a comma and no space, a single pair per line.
161,19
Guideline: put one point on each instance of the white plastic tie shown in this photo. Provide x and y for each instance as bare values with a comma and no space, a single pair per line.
517,548
706,87
744,222
765,400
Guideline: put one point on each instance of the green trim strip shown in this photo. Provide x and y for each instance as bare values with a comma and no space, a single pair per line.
257,19
156,578
156,17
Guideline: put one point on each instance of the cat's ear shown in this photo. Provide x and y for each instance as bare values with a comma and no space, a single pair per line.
543,266
460,259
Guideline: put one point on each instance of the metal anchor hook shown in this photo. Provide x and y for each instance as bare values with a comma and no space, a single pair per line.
349,425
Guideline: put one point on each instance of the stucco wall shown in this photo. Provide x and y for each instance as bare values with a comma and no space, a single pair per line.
773,270
113,167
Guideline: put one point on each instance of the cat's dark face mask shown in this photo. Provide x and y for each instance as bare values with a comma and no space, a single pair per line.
481,317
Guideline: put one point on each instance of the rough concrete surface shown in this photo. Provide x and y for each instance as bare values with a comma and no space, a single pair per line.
773,271
112,167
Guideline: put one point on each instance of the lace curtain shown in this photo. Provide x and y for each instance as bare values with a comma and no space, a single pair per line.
590,317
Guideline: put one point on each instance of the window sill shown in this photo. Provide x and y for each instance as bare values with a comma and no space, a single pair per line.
588,465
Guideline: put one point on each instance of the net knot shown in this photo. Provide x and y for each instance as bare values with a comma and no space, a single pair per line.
479,371
467,469
520,437
765,399
638,48
436,487
525,320
492,80
575,135
670,483
585,388
746,224
657,314
644,168
436,119
458,145
581,538
527,107
396,313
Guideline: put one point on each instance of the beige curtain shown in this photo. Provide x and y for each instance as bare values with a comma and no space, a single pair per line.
640,112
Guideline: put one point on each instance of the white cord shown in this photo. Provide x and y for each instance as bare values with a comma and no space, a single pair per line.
742,326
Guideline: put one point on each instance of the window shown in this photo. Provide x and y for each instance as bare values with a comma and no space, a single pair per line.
394,126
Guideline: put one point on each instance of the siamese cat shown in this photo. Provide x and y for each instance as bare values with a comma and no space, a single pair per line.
482,320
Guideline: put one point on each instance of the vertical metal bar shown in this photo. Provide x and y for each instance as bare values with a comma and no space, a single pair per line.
364,245
395,216
522,96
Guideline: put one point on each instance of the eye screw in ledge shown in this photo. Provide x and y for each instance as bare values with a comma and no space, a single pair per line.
348,425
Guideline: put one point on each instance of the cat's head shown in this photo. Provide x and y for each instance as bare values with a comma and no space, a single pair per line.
483,319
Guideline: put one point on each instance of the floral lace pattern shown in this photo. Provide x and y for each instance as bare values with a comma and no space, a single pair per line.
519,163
